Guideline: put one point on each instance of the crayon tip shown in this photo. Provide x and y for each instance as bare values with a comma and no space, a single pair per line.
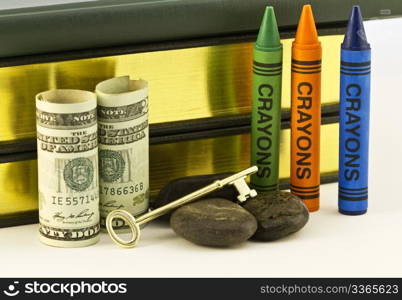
268,37
306,32
355,36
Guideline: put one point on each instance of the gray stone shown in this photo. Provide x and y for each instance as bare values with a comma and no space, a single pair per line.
213,222
278,214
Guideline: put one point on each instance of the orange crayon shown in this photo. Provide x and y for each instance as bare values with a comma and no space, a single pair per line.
306,111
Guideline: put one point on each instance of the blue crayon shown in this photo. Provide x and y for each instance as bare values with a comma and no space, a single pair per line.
354,115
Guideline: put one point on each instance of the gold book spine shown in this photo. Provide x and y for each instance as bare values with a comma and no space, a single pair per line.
184,84
18,180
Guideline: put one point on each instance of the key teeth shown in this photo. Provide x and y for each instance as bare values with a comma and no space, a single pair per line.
241,198
243,189
253,193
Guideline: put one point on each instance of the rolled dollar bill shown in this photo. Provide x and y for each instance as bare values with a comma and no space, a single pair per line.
67,168
123,147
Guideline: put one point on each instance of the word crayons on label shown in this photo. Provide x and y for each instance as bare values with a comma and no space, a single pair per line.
306,111
266,110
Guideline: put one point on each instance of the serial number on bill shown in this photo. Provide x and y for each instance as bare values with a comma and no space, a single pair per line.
122,190
78,200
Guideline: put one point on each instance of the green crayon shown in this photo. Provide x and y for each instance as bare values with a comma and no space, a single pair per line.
266,110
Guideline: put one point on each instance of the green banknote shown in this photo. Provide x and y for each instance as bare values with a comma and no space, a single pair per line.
67,168
123,147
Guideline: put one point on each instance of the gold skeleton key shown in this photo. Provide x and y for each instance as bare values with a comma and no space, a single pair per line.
237,180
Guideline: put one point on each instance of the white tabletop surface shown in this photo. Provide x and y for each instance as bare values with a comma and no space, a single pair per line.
330,244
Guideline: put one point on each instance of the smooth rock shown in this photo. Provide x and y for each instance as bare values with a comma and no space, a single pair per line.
278,214
213,222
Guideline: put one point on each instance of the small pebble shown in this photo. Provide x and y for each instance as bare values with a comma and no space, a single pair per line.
278,214
213,222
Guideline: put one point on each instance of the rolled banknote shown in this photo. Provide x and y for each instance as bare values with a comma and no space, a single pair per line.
67,168
123,147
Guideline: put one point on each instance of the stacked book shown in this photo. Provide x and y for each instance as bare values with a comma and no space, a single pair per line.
196,56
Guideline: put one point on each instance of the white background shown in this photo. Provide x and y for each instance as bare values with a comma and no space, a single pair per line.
330,245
